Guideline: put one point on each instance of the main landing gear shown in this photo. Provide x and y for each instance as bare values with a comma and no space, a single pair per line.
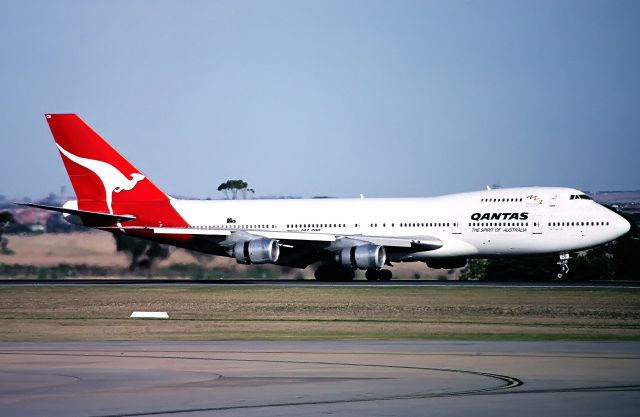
336,273
564,264
378,274
332,272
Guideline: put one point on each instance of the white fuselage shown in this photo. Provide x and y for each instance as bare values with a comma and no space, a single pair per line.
509,221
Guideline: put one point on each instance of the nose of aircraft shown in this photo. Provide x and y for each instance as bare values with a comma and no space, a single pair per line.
622,225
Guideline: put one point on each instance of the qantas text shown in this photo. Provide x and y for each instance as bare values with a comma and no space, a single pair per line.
499,216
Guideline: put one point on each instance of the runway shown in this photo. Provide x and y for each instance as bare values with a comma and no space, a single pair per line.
320,378
314,283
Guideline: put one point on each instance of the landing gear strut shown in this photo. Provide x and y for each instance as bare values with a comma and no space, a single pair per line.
564,264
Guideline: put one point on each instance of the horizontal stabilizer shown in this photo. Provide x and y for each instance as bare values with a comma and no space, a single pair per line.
85,214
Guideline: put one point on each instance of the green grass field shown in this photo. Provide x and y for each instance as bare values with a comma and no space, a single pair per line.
278,313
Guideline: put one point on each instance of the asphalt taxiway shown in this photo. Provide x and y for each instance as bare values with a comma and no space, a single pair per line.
320,378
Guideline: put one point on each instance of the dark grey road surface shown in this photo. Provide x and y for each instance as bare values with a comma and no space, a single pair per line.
314,283
320,378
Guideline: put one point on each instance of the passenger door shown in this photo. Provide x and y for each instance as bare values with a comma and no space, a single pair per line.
536,227
456,227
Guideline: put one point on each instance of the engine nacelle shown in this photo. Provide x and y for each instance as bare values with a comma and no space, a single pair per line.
367,256
256,251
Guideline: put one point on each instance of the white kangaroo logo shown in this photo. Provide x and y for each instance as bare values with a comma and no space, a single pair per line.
112,179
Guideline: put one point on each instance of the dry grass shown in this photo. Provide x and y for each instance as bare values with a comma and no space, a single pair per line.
92,248
215,313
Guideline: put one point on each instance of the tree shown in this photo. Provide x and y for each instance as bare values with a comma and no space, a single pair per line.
528,268
57,224
475,269
626,249
233,187
6,218
142,253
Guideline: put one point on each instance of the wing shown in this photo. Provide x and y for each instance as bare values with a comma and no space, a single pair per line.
298,249
421,242
429,242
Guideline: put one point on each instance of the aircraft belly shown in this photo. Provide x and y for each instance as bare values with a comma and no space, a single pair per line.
452,247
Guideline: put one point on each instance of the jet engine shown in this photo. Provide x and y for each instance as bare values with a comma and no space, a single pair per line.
256,251
367,256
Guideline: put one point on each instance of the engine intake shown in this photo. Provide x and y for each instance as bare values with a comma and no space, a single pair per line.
256,251
367,256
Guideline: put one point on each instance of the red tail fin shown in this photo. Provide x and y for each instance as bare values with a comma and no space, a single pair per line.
102,178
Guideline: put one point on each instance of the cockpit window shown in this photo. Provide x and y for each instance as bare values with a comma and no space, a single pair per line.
579,197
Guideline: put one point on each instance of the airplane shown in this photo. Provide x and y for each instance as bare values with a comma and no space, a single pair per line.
340,236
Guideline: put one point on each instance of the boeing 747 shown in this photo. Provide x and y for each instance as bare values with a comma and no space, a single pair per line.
339,235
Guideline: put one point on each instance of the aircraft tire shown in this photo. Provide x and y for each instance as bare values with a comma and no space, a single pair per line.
331,273
372,275
378,275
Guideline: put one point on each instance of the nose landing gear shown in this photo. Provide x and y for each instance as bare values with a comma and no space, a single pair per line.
564,264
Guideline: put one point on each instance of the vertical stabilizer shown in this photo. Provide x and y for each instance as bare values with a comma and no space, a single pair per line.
103,180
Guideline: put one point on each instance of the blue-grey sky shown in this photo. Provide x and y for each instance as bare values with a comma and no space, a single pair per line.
385,98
